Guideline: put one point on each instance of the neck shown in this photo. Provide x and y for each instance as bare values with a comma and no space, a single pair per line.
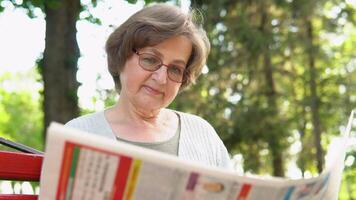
130,123
126,112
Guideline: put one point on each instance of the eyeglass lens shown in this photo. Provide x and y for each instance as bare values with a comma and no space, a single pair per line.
152,63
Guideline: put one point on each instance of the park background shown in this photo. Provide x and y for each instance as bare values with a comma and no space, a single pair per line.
279,84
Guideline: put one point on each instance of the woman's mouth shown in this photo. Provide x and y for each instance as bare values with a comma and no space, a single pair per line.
152,91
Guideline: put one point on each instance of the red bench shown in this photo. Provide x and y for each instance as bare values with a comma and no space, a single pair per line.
16,166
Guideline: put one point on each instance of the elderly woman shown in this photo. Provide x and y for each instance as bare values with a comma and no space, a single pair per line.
156,53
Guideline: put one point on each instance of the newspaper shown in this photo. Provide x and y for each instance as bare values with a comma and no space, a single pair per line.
79,165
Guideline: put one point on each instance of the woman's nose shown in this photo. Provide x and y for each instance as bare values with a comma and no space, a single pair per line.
160,75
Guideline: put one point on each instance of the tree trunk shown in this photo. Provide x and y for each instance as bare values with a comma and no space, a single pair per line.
273,140
60,61
314,99
301,130
299,110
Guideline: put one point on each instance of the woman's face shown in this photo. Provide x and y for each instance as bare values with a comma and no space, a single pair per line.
154,90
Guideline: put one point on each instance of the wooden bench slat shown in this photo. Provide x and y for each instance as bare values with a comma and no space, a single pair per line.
20,166
18,197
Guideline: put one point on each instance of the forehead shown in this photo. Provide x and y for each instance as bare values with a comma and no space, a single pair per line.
177,48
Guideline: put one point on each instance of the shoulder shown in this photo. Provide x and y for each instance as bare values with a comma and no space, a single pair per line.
93,123
200,141
196,124
85,120
194,120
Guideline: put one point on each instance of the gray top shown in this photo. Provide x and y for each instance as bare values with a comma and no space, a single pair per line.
198,141
170,146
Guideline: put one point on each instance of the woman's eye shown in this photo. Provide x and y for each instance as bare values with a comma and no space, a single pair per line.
149,60
176,70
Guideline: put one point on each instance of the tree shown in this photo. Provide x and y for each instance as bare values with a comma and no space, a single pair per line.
271,82
59,64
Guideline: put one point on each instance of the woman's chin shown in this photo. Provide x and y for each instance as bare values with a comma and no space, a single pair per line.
148,105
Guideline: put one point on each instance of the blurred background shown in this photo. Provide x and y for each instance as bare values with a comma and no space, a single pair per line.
279,84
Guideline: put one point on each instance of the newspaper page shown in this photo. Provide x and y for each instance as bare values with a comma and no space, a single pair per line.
82,166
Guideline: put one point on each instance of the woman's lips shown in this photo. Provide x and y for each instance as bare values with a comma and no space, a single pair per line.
152,91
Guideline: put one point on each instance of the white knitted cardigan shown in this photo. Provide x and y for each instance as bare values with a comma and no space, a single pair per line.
198,140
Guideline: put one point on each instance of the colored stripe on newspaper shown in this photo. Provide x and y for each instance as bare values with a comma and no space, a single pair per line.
244,192
289,193
132,182
73,169
122,175
65,169
192,181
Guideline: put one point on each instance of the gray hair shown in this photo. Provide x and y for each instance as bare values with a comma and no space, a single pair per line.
152,25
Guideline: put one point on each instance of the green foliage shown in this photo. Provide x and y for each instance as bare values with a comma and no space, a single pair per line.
86,15
348,186
20,110
132,1
93,19
252,116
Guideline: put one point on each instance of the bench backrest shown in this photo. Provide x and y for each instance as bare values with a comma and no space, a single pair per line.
16,166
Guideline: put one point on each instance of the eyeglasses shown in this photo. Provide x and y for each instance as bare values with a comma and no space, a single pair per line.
152,63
